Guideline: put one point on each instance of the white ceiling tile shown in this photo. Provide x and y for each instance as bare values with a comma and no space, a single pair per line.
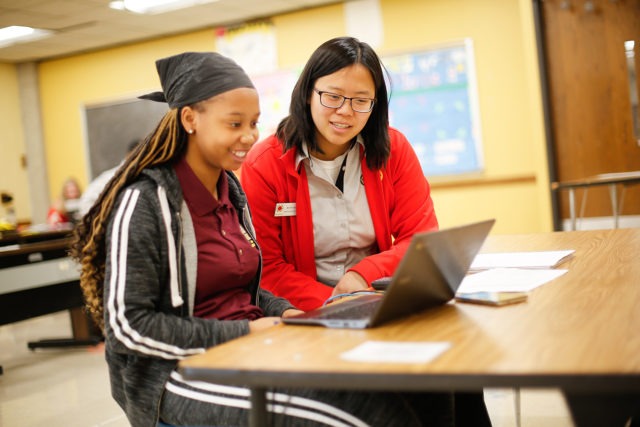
90,24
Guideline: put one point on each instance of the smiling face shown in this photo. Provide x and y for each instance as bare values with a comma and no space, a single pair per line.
336,127
224,128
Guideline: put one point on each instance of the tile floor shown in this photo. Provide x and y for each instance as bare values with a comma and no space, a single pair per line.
70,388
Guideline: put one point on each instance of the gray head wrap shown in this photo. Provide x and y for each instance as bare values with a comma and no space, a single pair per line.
191,77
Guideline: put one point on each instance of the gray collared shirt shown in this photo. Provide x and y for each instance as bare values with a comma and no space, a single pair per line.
342,227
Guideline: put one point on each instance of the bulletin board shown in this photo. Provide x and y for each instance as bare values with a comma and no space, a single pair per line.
275,97
434,103
111,127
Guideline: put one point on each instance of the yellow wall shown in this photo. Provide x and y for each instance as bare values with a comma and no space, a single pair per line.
13,176
68,85
502,54
513,187
299,34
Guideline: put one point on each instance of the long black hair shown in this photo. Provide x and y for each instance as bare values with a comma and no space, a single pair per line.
331,56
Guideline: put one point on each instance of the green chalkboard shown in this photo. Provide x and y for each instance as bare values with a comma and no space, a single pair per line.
111,127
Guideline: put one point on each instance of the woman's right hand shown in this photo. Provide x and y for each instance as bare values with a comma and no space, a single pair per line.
263,323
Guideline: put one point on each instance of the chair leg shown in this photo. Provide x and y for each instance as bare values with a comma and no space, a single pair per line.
516,402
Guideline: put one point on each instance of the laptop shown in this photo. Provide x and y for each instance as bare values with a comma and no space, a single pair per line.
428,276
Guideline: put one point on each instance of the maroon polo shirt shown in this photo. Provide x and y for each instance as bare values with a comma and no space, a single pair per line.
227,257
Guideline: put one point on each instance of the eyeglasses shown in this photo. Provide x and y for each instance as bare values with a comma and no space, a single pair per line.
333,100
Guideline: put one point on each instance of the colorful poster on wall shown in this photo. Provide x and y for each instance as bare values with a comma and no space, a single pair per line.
434,103
253,46
275,96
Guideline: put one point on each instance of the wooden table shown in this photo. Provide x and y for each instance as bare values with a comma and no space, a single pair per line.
611,180
579,333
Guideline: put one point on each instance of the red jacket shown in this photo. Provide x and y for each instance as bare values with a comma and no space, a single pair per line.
399,201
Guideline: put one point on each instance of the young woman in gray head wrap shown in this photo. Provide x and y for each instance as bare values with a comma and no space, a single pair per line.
170,266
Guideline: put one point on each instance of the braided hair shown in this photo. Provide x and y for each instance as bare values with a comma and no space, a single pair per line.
165,144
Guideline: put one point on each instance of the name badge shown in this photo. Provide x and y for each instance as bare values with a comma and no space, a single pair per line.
285,209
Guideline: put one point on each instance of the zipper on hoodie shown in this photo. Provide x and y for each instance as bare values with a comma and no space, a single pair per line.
185,307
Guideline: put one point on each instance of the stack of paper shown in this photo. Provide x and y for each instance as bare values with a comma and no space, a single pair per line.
539,259
513,271
508,280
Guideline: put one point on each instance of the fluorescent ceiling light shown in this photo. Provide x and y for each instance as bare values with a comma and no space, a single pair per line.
17,34
155,6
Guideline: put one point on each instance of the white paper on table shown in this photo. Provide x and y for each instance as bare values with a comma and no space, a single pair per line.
508,280
396,352
533,259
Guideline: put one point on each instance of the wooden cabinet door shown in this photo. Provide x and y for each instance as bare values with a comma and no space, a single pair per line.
590,105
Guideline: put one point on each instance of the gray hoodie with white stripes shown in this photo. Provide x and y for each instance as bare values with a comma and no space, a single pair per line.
149,291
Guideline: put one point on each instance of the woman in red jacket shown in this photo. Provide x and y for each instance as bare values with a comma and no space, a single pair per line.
336,194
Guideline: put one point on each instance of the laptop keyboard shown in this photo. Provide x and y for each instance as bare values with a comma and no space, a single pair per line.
351,310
